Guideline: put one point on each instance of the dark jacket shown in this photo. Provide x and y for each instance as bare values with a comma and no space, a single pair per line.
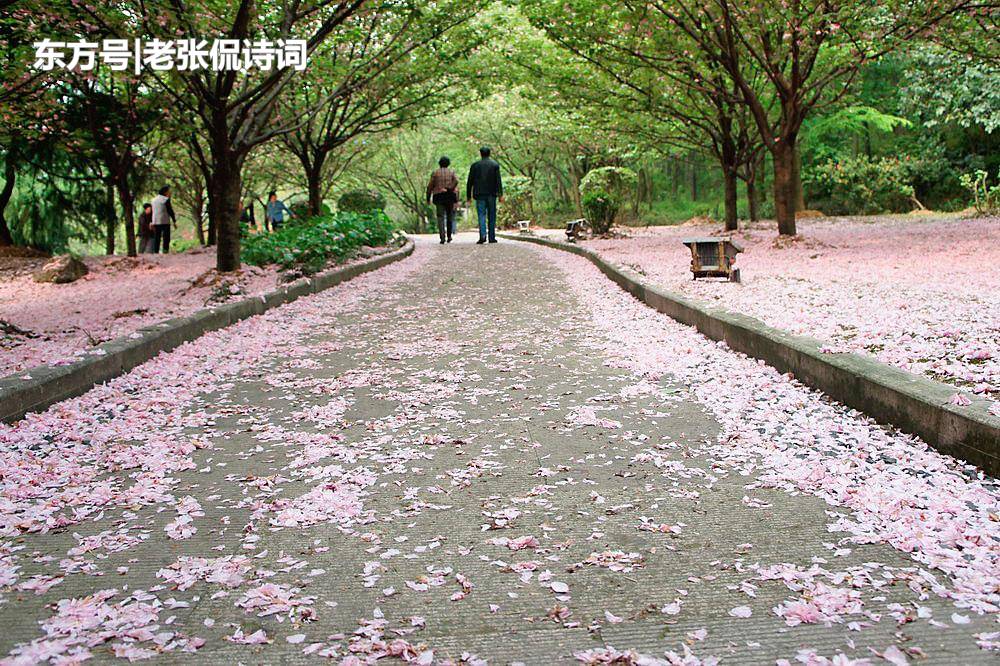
484,180
144,221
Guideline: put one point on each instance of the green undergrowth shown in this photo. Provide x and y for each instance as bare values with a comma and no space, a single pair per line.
309,245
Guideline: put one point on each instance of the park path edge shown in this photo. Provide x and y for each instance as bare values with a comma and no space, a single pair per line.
910,402
49,384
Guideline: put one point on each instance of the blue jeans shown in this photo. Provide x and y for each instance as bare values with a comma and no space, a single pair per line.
486,208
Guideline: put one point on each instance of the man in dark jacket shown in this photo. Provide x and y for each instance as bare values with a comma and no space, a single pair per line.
485,186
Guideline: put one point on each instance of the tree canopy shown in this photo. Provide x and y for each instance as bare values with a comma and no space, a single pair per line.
700,98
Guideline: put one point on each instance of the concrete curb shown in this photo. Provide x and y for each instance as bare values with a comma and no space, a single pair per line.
51,384
910,402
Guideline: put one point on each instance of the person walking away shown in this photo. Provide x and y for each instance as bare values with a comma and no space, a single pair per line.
145,229
443,191
276,210
485,186
163,216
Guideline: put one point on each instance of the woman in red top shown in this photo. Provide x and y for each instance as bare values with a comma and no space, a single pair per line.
443,191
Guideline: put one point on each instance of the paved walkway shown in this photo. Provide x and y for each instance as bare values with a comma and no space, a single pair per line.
435,457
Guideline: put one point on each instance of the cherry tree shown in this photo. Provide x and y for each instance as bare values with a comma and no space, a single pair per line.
650,74
808,51
399,70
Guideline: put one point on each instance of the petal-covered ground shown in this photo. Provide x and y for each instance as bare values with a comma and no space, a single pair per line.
60,322
918,292
483,454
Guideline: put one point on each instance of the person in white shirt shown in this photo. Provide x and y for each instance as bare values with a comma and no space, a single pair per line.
163,217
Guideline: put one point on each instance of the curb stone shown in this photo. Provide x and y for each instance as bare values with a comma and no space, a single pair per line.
910,402
49,384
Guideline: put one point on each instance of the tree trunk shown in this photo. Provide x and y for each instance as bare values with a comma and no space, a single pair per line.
313,183
574,190
753,208
694,182
111,220
783,154
197,214
800,199
223,207
732,216
562,190
127,200
212,235
9,176
727,156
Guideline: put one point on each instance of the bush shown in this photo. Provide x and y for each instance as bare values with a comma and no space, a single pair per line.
310,244
517,201
603,193
301,209
985,198
361,201
860,185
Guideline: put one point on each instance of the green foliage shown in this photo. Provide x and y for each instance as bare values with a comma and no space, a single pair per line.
860,185
604,191
518,201
831,136
48,213
985,197
301,209
361,201
309,245
943,87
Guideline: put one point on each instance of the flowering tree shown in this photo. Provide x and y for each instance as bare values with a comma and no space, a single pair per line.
400,68
114,117
781,59
650,72
808,51
236,109
20,101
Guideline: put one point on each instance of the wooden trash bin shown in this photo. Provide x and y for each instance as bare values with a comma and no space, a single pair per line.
576,230
524,226
714,257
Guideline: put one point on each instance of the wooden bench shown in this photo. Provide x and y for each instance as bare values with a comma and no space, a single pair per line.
714,257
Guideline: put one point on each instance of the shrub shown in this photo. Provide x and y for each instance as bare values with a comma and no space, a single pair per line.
310,244
985,198
517,201
603,193
361,201
301,209
860,185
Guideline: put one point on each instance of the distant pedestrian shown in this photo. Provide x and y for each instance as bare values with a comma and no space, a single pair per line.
443,191
145,229
247,218
485,186
163,217
276,210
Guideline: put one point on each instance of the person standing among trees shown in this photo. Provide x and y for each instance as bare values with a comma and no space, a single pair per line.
485,186
146,229
163,216
247,220
443,191
276,210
